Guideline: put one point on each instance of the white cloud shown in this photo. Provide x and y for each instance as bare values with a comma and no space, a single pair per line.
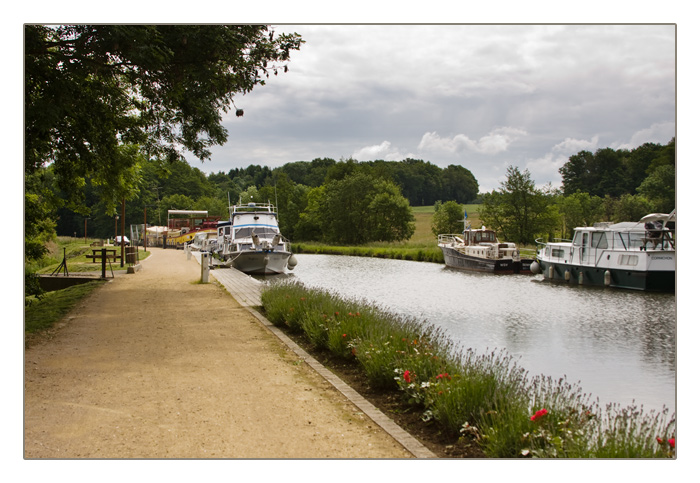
495,142
659,133
572,146
383,151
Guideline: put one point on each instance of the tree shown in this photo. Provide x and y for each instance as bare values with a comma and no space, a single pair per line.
660,188
390,215
448,218
91,88
358,209
519,212
632,208
459,184
579,209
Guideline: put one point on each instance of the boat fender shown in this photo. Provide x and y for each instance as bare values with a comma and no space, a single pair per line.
580,278
292,262
607,278
567,276
535,268
551,272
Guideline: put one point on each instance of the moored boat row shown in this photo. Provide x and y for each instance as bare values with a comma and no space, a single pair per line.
632,255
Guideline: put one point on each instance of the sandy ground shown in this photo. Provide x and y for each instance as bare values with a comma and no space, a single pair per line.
156,365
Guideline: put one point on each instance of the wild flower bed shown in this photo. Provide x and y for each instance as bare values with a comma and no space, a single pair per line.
486,398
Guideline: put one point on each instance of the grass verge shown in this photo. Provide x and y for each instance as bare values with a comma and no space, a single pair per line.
480,401
43,313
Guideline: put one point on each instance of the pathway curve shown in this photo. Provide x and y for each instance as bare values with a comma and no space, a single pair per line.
156,365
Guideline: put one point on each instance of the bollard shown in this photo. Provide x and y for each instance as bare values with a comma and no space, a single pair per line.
205,267
187,250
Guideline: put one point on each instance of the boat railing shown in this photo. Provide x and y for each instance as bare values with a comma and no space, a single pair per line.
253,207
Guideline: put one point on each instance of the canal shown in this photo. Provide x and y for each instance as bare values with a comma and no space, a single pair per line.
619,345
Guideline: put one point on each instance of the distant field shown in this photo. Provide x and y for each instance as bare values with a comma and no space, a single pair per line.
424,215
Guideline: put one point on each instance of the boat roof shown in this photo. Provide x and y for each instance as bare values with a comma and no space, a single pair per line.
659,217
631,225
188,212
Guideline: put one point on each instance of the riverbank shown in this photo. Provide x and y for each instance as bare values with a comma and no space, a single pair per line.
156,365
484,402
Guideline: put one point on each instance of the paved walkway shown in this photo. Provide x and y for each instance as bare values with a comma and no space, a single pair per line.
156,365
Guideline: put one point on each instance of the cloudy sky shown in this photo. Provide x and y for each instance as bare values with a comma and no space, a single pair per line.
482,96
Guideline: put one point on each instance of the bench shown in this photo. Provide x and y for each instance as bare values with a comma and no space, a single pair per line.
97,255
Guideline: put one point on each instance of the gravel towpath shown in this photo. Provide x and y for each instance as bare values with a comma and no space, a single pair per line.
156,365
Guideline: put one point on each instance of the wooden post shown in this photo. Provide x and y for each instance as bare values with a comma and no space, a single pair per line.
144,229
123,228
104,263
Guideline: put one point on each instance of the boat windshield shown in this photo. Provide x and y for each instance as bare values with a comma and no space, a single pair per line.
260,231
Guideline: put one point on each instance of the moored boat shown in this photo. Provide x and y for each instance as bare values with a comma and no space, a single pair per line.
480,250
183,225
632,255
250,241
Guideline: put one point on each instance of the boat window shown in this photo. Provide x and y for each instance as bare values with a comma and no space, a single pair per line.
577,238
477,237
585,239
558,252
630,260
599,240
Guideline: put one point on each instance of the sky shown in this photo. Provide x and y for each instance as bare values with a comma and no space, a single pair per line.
477,95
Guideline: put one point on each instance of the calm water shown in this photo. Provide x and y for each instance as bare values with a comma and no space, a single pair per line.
620,345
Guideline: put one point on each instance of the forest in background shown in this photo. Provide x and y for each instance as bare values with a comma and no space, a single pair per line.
608,185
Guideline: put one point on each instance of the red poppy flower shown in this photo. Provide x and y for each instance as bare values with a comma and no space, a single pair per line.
538,414
659,440
672,442
407,376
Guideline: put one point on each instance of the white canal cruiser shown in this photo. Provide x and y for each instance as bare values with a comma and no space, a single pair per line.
639,256
250,241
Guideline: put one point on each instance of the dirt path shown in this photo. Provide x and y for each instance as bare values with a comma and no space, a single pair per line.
155,365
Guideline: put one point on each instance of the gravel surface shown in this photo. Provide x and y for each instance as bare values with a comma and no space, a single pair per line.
156,365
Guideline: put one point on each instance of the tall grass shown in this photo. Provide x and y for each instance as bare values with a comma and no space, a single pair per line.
488,398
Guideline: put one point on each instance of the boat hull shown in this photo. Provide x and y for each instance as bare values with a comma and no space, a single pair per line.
654,281
256,262
456,259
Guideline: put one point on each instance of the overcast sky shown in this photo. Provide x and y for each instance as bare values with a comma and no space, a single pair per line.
482,96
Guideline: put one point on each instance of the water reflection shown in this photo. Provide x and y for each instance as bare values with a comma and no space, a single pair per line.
620,344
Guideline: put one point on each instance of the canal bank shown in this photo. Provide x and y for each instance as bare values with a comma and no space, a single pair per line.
157,365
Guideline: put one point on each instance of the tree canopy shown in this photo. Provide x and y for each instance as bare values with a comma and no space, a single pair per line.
90,89
518,211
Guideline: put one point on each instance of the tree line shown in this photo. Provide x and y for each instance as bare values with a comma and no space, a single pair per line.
608,185
313,197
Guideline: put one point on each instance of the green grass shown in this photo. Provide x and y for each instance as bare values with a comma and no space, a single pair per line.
488,399
44,312
76,249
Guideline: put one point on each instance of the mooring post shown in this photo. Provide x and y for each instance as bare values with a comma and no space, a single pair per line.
205,267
